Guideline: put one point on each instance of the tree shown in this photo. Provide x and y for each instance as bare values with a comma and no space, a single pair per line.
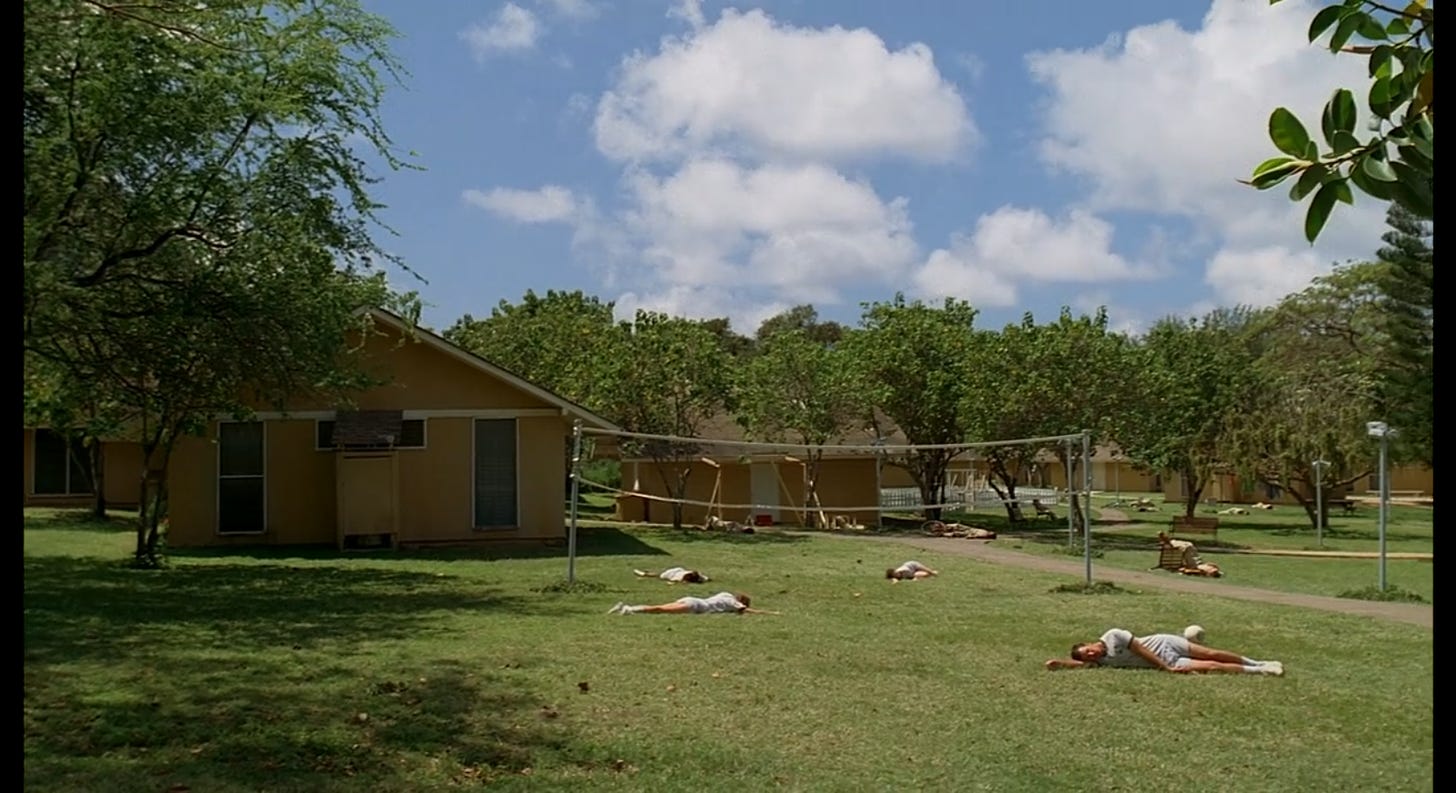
796,388
553,340
1191,373
664,375
1033,380
1315,387
1396,163
732,343
802,317
909,358
1406,285
197,218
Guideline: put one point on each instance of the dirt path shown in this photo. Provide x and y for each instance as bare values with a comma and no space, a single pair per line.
1413,613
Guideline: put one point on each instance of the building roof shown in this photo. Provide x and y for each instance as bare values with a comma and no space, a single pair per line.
568,408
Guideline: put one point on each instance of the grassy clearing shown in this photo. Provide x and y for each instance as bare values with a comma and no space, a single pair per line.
305,670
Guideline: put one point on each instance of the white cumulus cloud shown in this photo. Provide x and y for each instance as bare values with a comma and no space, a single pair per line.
547,204
572,9
1261,276
512,30
799,233
1013,245
748,85
1166,120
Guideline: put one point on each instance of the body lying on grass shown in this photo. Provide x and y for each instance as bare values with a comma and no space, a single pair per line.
1190,563
721,603
909,571
1167,652
675,575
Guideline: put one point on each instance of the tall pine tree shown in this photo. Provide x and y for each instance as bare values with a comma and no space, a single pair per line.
1408,294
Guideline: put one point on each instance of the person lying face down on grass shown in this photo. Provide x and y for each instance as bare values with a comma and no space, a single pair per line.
1167,652
909,571
721,603
675,575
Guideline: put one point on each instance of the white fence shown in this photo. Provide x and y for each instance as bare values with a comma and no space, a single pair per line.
969,498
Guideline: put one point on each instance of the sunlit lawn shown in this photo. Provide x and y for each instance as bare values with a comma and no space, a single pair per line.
311,671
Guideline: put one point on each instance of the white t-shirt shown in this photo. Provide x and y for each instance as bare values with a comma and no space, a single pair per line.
1172,649
909,569
673,574
721,603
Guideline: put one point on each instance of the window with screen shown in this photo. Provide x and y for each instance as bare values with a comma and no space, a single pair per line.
62,465
495,473
240,489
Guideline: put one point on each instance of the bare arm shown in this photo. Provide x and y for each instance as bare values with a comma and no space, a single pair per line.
1065,663
1151,657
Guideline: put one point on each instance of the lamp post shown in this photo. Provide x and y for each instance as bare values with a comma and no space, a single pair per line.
1381,430
1319,500
1117,477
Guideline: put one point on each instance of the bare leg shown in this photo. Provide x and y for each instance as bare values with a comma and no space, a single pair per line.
1200,653
665,608
919,574
1217,666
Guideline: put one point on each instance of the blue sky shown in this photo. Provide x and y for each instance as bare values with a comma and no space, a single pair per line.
734,159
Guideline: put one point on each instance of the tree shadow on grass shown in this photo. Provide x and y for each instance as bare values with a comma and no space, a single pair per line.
84,607
264,724
591,541
77,520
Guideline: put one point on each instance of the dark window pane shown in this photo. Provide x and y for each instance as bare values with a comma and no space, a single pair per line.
412,433
495,473
240,505
325,433
240,448
50,463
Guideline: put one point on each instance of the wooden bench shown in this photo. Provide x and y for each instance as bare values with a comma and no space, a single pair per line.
1042,511
1182,524
1346,505
1170,559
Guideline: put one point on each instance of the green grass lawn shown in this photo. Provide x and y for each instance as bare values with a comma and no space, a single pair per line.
1133,546
308,670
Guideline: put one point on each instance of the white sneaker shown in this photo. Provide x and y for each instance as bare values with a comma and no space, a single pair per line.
617,609
1273,668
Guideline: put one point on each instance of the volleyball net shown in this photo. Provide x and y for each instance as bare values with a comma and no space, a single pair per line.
665,478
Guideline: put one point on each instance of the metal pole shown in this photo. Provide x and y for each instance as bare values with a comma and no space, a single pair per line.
575,494
879,488
1071,525
1087,503
1384,501
1319,502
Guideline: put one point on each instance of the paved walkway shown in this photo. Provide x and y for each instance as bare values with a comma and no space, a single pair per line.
1412,613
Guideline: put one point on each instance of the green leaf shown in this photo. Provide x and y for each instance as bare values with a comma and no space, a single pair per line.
1375,166
1339,115
1347,27
1342,192
1412,189
1379,99
1371,187
1397,28
1273,171
1287,133
1308,181
1344,142
1412,156
1380,61
1370,29
1322,21
1319,210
